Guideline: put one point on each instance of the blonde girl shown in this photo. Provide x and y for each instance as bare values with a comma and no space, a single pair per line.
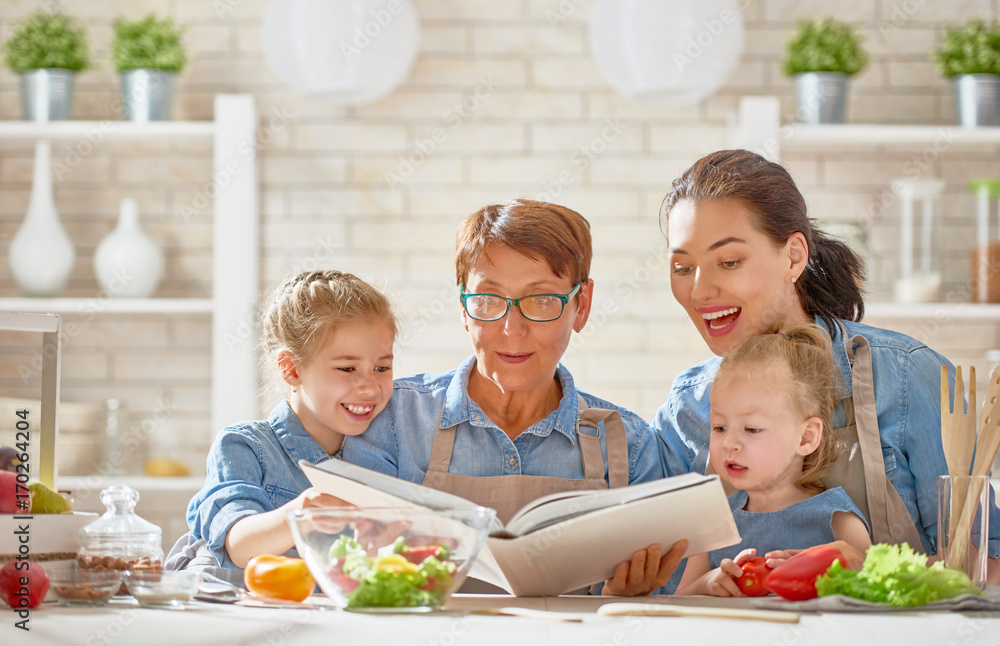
328,335
771,405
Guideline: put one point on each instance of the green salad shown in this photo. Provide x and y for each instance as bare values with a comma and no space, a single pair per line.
401,576
895,575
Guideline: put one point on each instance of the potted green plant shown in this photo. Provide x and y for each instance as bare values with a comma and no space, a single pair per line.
47,50
970,56
148,53
821,56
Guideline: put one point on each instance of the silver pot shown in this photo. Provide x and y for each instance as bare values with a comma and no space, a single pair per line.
46,94
147,95
976,99
821,97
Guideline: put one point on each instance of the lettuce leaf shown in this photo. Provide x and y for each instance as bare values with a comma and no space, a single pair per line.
895,575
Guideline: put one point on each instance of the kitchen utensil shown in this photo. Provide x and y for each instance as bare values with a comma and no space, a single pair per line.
666,610
987,447
958,438
988,442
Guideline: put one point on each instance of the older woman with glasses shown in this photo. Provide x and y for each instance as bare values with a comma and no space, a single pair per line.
508,425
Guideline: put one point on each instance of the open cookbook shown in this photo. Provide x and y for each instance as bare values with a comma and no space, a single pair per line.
563,541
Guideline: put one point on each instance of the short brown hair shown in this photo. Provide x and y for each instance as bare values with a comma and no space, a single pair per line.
538,230
812,379
305,309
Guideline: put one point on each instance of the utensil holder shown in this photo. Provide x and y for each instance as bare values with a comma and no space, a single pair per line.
961,545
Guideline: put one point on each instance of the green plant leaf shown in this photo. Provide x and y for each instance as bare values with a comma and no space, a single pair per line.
147,43
973,48
825,45
47,40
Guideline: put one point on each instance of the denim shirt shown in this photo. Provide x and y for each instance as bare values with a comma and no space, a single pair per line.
908,404
252,467
398,441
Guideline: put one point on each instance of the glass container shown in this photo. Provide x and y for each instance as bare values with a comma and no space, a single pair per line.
120,539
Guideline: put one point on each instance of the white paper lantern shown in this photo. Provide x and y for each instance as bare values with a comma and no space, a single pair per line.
346,52
673,51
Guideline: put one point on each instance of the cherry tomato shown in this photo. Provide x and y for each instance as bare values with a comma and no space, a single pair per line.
795,579
755,572
23,584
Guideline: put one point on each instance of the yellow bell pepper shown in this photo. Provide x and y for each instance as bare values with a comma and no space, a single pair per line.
278,577
394,563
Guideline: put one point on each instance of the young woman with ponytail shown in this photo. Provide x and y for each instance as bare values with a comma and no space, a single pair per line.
744,256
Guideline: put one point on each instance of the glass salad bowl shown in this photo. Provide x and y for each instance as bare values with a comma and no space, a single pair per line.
386,557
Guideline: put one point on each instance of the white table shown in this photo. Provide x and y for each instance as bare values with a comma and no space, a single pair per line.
201,623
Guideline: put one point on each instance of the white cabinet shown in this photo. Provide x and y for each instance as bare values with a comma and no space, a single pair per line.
235,243
758,127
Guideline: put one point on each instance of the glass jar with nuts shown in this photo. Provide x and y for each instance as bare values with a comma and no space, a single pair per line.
120,539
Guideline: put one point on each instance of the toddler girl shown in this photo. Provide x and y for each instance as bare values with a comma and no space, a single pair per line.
330,336
772,400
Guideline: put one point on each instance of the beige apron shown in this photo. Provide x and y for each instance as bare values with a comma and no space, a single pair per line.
860,468
507,494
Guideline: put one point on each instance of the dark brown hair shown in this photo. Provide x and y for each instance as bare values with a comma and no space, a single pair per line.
810,376
538,230
830,286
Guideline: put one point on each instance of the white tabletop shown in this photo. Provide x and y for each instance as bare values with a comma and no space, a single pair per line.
202,623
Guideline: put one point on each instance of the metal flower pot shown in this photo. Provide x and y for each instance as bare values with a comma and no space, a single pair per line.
976,99
46,94
147,94
821,97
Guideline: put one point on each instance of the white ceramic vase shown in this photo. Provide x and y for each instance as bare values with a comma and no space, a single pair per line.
41,254
128,262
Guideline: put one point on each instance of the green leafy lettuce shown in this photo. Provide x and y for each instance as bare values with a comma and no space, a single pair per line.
895,575
400,584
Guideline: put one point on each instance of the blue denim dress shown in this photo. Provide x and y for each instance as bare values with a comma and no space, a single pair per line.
797,526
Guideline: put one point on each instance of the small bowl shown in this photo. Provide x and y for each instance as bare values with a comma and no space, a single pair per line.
73,586
162,588
401,558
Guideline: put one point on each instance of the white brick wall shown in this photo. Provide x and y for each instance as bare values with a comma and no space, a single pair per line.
327,196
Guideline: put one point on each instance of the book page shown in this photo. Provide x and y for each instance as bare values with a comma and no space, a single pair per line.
366,488
557,507
585,549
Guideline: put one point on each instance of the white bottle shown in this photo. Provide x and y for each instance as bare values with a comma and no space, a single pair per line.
41,255
128,262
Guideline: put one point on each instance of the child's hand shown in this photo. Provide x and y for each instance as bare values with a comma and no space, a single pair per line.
313,497
721,582
646,571
855,557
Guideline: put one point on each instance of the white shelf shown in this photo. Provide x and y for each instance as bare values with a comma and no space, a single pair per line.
139,483
101,130
799,137
940,311
235,243
98,305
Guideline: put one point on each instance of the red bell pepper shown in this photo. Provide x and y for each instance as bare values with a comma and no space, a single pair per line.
795,579
755,573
